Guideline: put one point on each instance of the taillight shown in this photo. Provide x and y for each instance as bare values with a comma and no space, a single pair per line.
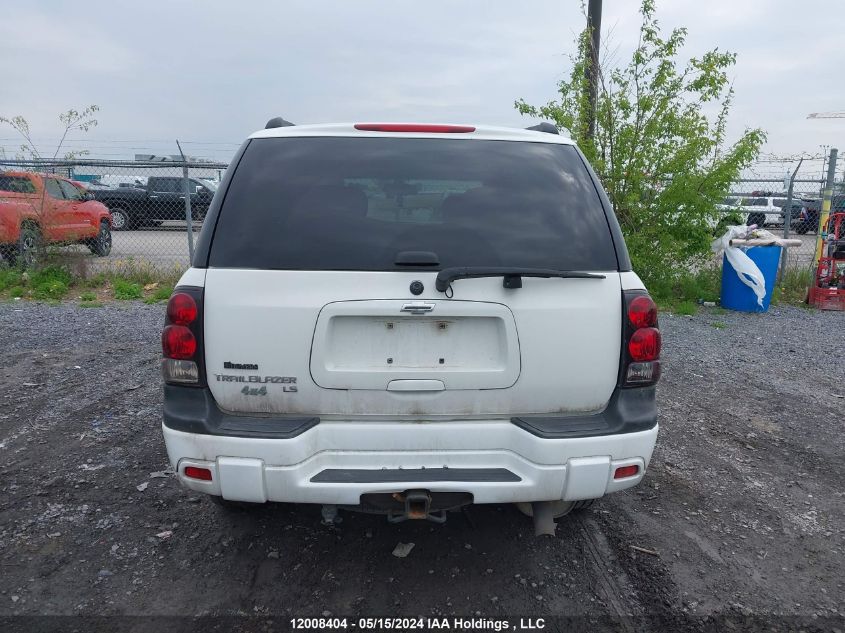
644,344
642,341
181,339
177,341
182,309
414,127
642,311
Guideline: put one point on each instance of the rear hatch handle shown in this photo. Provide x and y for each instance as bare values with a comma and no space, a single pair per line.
512,277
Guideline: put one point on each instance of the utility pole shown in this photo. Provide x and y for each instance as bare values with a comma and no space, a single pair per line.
593,70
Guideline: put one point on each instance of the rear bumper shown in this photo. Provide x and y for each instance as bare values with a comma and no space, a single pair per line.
338,461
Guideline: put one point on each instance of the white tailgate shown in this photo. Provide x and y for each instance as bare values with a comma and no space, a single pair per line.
551,346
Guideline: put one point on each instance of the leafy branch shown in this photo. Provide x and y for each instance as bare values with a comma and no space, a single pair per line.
71,120
664,162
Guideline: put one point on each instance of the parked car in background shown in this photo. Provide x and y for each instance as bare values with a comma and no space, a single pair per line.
796,205
38,209
760,210
807,220
162,199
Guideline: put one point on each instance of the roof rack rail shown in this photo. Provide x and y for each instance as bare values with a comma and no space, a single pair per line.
277,122
545,126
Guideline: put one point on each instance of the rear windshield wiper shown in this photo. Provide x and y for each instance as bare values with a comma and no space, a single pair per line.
512,276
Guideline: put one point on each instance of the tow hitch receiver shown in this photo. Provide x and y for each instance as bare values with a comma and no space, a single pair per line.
417,506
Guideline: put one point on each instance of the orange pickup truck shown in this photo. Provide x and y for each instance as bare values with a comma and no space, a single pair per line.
38,209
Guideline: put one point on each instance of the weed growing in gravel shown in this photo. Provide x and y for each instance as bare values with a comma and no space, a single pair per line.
50,282
719,325
686,308
9,278
162,293
125,290
792,287
704,285
56,277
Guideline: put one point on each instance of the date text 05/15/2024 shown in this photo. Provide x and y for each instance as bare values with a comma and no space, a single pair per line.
419,624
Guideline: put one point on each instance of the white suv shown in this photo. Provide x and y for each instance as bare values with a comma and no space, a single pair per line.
762,211
407,319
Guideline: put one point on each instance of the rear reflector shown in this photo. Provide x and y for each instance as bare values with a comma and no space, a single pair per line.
193,472
414,127
626,471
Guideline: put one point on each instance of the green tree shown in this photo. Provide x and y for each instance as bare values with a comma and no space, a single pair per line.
664,161
71,120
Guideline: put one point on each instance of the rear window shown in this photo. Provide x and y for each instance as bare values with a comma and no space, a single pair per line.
355,203
16,184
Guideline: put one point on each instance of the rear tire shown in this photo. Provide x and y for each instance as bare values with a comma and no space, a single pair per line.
120,219
757,218
29,246
101,245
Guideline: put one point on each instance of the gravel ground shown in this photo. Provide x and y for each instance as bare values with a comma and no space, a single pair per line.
742,507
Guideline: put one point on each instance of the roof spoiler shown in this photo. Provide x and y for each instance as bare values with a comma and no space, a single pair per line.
277,122
545,126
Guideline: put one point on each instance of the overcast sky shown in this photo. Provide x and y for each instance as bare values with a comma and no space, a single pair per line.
210,73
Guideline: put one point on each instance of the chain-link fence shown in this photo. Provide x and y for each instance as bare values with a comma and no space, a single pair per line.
152,209
788,200
155,208
767,203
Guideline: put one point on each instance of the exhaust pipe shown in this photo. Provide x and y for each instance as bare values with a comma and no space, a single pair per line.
544,517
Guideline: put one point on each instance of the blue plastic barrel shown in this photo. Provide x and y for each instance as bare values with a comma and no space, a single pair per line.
736,295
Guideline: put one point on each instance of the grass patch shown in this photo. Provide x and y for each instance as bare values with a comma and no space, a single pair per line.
687,308
719,325
682,294
792,287
51,282
10,278
162,293
57,277
125,290
138,272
